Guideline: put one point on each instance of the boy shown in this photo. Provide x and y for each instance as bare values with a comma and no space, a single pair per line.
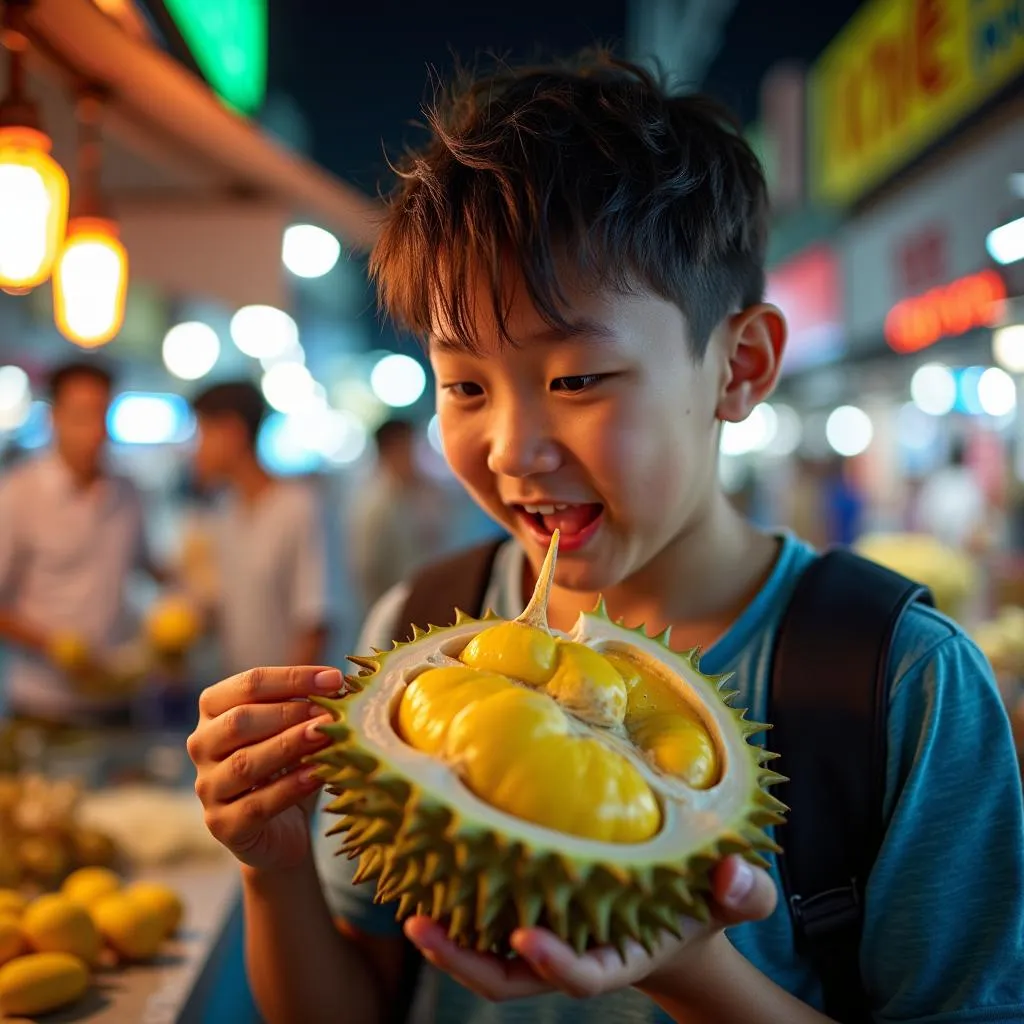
273,559
584,255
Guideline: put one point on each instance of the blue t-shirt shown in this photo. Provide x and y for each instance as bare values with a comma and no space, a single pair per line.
944,930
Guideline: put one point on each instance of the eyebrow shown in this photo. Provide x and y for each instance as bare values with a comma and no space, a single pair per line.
579,328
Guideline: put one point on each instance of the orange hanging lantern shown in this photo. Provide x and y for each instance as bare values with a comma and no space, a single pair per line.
33,186
90,282
90,278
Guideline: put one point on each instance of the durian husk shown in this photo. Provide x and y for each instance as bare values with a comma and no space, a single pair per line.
434,849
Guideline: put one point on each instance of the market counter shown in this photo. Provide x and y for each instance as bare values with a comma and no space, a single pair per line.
198,969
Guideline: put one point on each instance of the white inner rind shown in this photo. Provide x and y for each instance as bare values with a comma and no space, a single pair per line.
691,818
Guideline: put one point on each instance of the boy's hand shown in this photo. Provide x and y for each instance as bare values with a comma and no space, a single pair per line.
254,730
546,964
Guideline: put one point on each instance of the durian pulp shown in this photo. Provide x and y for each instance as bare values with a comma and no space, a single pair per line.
692,820
532,744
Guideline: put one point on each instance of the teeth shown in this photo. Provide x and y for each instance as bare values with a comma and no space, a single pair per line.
544,510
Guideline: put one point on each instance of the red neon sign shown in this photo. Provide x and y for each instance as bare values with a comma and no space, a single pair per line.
945,312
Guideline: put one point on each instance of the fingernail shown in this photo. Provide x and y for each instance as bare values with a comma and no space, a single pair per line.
741,884
329,680
315,711
313,732
310,777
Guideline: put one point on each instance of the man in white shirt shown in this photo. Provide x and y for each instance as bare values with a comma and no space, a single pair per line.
71,533
269,540
400,519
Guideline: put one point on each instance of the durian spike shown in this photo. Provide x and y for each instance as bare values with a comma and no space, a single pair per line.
536,612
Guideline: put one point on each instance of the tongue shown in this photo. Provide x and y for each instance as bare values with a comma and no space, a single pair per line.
572,519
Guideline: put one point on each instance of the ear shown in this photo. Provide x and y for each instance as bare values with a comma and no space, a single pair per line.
754,341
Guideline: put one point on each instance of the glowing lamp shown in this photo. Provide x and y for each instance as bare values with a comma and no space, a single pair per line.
33,207
90,282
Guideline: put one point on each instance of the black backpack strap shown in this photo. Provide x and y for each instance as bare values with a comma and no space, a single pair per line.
828,706
459,581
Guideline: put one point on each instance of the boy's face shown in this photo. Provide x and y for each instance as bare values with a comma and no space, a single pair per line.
617,422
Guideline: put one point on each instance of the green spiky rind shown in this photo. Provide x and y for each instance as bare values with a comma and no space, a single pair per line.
426,859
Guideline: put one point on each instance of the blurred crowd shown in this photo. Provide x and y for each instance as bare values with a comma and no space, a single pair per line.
101,620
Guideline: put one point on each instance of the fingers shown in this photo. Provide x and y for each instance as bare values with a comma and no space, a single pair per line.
247,724
580,976
240,824
260,685
249,766
490,977
742,892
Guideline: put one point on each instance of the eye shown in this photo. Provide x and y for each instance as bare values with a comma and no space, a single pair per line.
574,385
464,389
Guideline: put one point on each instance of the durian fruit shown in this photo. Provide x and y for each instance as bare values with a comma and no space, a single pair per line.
42,982
162,899
134,929
86,886
172,626
496,774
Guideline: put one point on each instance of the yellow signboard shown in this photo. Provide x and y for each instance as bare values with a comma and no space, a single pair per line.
900,74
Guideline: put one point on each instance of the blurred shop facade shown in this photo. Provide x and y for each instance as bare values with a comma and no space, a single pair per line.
896,164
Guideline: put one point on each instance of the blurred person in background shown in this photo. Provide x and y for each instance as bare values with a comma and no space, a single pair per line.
71,533
267,537
951,504
843,502
399,518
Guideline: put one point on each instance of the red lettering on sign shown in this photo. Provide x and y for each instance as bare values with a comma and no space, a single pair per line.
945,312
877,89
932,24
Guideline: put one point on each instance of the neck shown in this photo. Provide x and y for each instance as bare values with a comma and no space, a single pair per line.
698,585
83,476
249,479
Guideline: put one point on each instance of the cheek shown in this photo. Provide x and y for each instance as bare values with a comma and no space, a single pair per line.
649,454
464,451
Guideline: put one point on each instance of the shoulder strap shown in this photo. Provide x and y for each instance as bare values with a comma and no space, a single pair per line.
828,708
459,581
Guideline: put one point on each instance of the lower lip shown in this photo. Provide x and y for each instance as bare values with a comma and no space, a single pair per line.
566,541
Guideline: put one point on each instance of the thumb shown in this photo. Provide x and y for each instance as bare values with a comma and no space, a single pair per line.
742,892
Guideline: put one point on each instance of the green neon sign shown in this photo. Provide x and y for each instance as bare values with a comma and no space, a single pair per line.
228,40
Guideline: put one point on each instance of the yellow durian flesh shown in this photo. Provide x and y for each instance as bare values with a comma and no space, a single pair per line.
587,684
432,700
514,747
481,799
513,649
663,723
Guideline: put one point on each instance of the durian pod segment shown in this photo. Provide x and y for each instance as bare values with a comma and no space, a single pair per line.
429,845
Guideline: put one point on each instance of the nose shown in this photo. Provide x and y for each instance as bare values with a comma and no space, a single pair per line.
521,444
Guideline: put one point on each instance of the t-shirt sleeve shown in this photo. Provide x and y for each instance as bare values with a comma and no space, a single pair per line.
944,916
354,903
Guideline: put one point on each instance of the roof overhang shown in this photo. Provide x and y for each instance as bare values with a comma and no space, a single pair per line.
202,193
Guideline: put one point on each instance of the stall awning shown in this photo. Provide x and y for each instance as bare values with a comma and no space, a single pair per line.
202,193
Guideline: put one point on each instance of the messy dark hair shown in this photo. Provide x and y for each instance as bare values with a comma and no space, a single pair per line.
238,398
591,166
77,369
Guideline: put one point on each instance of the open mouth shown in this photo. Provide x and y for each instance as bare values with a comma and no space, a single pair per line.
576,523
